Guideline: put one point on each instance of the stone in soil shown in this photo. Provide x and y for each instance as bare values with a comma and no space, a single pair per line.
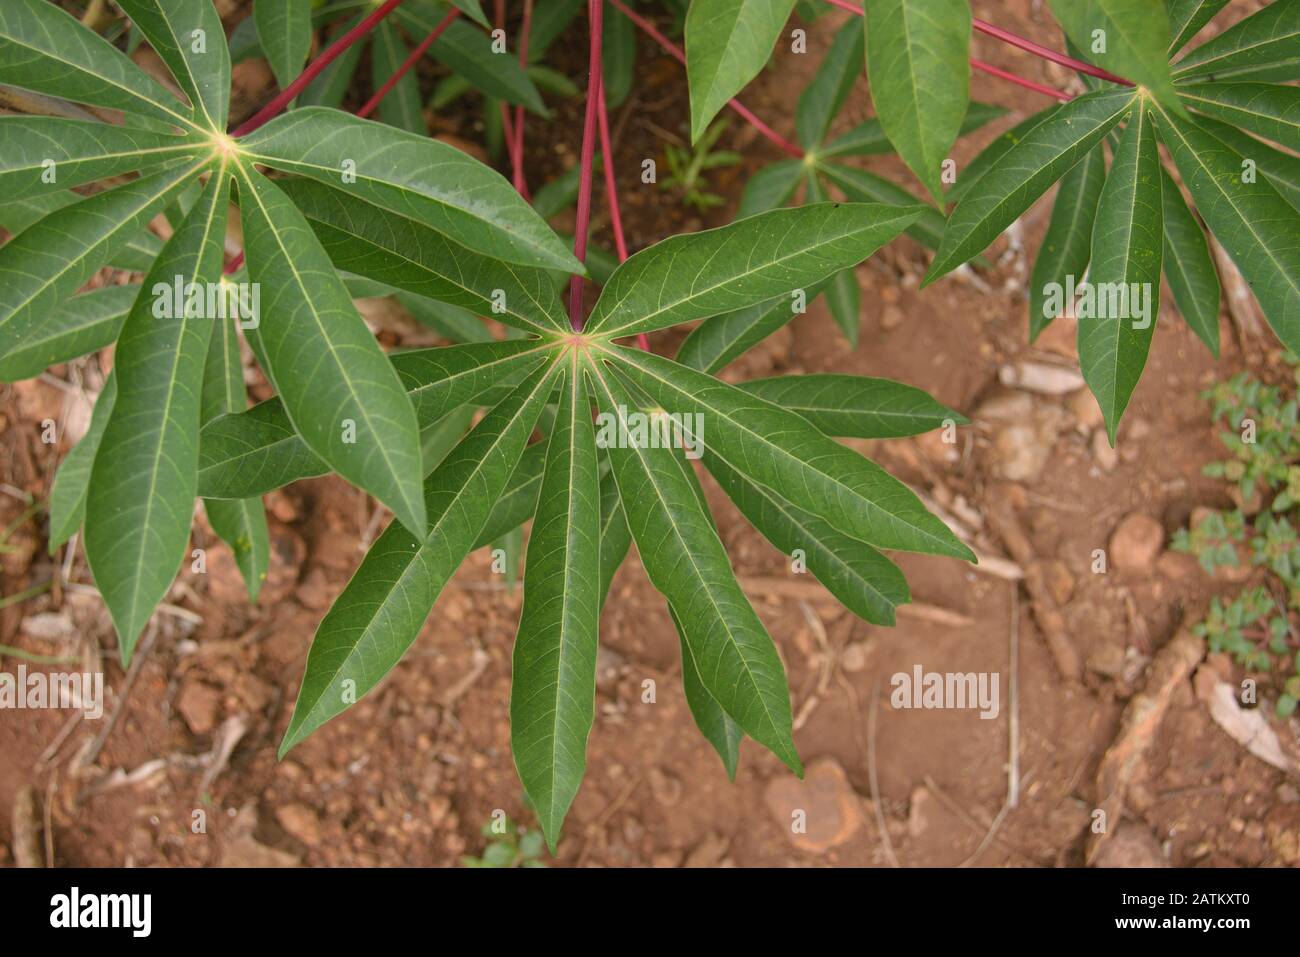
831,811
1136,543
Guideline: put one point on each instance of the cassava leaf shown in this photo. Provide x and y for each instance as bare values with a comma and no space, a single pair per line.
81,325
1040,156
1127,240
715,724
1126,37
868,138
783,451
401,107
747,262
37,152
615,536
1265,40
384,606
856,406
1270,110
284,32
140,497
843,295
1187,265
188,36
1247,215
825,95
770,187
861,186
920,78
413,176
467,51
553,680
727,43
68,493
405,254
1281,169
1067,244
339,390
45,49
1186,17
685,560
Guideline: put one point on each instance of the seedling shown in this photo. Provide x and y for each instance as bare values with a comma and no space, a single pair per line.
687,168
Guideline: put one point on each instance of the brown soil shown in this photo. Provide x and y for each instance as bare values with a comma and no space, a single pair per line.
410,775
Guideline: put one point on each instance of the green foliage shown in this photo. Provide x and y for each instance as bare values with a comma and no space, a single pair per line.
1258,627
687,167
514,846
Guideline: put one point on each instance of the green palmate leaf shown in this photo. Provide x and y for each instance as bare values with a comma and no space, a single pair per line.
45,49
1187,264
140,497
553,686
865,581
770,187
716,342
727,43
1281,169
472,8
384,606
821,101
1127,37
1126,254
519,500
992,154
440,438
284,31
467,51
686,561
240,523
783,451
1042,154
405,254
81,325
856,406
188,36
869,138
843,295
329,88
920,78
1186,17
451,322
43,154
863,187
615,536
413,176
254,452
742,264
1063,256
47,262
68,494
715,724
338,388
401,107
1248,216
1270,110
1266,40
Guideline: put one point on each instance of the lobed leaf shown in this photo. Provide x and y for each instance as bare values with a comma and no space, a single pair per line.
1270,110
714,723
1267,40
1066,246
855,406
284,32
68,493
1187,265
80,326
822,99
187,35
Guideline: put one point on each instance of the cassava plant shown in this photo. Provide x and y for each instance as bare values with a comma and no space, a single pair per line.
333,205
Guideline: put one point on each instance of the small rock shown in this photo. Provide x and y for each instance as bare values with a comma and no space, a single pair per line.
1041,378
199,705
667,790
854,657
1131,846
300,821
1025,434
1082,405
1058,579
1136,543
1177,566
48,626
918,812
891,318
1102,453
1288,794
708,852
832,811
1107,659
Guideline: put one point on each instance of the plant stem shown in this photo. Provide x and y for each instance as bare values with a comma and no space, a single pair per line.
992,70
517,156
373,103
675,51
595,10
314,69
611,194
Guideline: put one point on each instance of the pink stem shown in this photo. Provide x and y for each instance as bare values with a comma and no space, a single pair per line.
992,70
521,184
286,96
611,194
595,10
649,29
373,103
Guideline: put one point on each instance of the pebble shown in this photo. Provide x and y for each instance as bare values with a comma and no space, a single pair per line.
1136,543
832,809
300,821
